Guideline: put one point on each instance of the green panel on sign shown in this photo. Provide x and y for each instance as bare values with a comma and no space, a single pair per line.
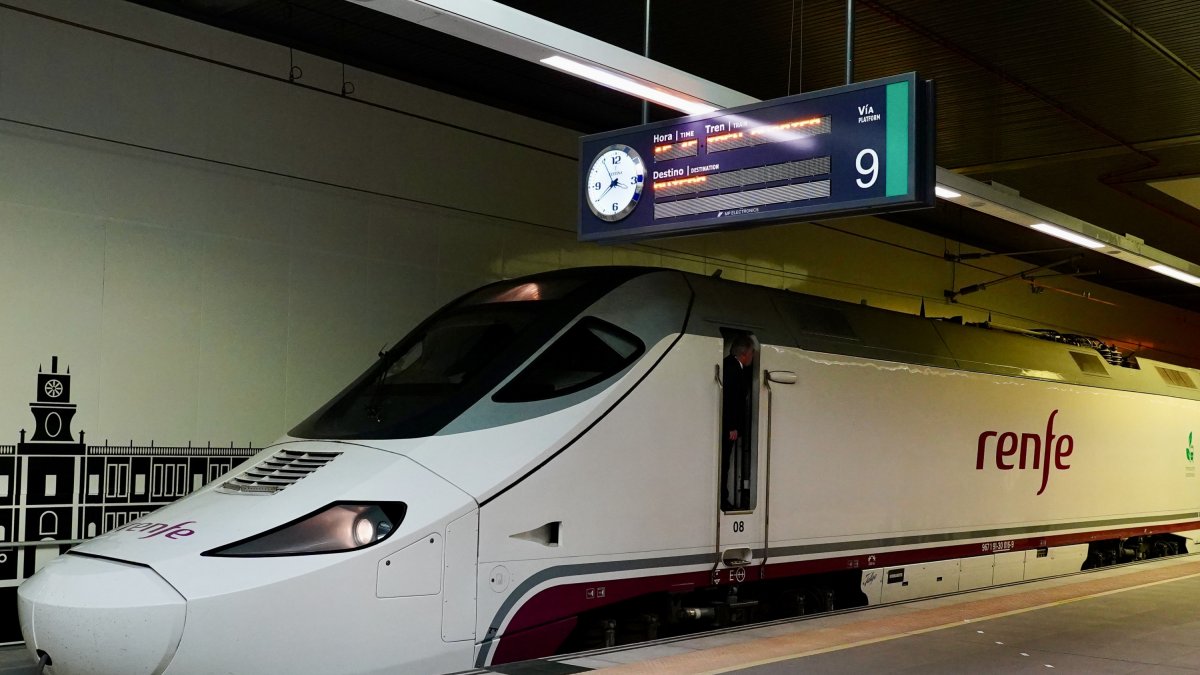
896,168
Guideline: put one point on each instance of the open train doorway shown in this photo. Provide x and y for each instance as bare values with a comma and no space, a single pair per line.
739,379
740,526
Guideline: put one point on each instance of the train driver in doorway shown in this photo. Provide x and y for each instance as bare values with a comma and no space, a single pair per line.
735,409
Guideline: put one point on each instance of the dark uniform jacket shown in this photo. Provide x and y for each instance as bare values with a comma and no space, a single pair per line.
736,398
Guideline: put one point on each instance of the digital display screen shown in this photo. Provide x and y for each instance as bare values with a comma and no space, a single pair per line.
854,150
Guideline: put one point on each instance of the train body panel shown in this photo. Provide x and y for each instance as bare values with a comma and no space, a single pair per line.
647,494
343,625
942,506
122,617
955,468
610,485
545,454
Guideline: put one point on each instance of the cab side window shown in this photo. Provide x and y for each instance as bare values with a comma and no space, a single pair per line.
588,353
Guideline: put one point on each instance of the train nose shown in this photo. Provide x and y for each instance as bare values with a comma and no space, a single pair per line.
98,616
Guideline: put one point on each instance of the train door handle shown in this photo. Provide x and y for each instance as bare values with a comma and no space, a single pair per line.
782,376
737,557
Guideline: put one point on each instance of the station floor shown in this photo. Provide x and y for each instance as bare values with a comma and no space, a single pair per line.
1142,618
14,660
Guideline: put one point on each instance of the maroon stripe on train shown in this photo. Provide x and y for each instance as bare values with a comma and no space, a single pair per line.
923,555
534,642
537,629
558,601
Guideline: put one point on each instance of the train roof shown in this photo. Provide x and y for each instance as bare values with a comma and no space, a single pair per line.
825,325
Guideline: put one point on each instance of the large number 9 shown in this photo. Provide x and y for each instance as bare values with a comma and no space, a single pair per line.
871,169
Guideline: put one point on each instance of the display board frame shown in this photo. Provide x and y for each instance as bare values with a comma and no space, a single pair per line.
860,149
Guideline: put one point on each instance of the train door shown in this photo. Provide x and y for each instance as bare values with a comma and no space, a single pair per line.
460,568
740,521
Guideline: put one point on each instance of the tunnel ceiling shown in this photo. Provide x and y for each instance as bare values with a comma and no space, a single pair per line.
1082,105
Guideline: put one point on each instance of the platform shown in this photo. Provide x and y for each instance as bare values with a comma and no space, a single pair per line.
1142,618
15,660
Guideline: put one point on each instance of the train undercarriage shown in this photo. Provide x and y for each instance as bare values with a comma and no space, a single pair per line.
663,615
1132,549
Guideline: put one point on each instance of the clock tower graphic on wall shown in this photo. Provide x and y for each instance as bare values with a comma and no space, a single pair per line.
56,491
52,409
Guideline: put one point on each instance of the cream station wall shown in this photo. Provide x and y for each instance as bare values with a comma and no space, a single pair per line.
214,251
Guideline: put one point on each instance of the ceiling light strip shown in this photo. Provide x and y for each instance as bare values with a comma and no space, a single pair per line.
1067,235
1176,274
999,203
630,86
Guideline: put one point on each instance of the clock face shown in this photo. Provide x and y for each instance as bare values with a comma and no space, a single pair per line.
614,182
54,388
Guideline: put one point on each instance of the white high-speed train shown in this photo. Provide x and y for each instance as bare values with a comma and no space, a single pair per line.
536,468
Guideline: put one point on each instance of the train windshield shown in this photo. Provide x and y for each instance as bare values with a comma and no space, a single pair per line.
454,358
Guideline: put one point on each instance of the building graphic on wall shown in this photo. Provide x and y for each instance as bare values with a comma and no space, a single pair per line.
56,491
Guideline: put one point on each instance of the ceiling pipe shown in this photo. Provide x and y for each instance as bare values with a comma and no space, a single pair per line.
646,53
849,41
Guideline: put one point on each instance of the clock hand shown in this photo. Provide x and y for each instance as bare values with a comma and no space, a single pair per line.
610,187
605,165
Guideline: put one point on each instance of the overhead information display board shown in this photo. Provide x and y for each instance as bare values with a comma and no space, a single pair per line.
859,149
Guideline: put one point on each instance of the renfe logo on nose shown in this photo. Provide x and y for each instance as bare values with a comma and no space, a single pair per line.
1035,450
155,529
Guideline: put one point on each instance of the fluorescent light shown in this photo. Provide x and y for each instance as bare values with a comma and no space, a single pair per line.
946,193
1176,274
997,202
629,86
1067,235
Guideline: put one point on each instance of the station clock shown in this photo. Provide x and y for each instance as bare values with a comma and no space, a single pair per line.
614,182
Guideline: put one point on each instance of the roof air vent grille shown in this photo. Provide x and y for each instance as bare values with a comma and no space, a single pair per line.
277,472
1177,378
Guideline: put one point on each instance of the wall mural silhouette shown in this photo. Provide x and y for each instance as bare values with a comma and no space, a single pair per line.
56,492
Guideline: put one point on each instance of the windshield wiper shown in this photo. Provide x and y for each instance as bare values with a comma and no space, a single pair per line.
372,408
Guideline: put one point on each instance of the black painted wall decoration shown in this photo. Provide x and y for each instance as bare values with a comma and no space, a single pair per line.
56,492
53,409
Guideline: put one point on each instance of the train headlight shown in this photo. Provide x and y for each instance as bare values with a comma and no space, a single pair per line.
364,531
338,527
